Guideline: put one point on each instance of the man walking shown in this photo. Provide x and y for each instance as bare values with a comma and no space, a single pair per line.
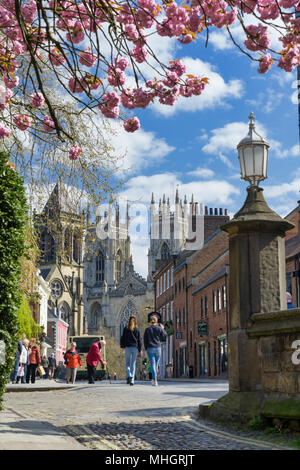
92,359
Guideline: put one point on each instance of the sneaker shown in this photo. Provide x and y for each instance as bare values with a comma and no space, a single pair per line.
131,383
156,383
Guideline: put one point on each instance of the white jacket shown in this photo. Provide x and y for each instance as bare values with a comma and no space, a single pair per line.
24,355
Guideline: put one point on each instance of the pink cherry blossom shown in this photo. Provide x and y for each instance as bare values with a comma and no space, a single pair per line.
22,121
87,58
4,132
48,124
11,82
132,124
265,63
75,85
75,152
128,24
37,100
56,57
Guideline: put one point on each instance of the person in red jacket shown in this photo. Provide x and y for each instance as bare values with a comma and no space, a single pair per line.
92,359
72,359
34,359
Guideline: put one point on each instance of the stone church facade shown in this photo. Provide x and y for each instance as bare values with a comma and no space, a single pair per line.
93,282
59,232
112,289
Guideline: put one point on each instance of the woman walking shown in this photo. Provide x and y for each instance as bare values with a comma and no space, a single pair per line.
152,337
34,361
131,343
72,359
52,365
23,361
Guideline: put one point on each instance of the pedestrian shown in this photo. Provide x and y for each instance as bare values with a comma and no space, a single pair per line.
45,364
152,337
18,352
34,360
92,359
23,362
131,343
115,376
289,301
149,372
52,365
72,359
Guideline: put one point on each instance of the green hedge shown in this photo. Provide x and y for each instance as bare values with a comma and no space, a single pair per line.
13,213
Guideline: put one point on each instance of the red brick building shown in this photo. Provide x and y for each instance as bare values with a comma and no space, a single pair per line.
181,313
164,300
187,285
292,253
208,322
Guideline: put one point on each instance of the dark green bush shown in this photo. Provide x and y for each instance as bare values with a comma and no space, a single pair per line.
13,213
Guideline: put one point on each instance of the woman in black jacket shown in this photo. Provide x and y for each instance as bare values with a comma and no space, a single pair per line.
152,337
131,344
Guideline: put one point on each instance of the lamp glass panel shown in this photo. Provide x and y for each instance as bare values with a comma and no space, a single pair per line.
249,161
242,165
265,161
258,151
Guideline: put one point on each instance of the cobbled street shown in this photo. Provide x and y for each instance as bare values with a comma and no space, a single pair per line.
115,416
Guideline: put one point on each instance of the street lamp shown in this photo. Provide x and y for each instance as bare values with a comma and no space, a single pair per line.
253,155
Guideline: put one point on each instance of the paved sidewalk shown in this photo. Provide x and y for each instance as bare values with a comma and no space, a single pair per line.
39,386
19,433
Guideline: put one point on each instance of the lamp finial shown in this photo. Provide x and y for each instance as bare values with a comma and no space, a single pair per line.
251,123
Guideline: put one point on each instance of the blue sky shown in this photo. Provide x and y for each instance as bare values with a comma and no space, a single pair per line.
192,146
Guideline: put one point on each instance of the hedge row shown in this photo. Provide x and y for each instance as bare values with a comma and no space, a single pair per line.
13,212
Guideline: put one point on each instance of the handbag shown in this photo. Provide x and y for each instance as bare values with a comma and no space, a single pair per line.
41,370
20,371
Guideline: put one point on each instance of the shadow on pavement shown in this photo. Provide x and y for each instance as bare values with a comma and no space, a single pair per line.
28,427
210,395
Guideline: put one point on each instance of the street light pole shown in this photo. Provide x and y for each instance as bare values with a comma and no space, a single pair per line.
257,282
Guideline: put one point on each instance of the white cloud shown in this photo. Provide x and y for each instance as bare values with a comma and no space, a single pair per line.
216,93
140,149
201,173
139,251
212,191
283,189
225,140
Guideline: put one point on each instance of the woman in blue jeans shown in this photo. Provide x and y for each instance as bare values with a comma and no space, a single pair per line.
152,337
131,344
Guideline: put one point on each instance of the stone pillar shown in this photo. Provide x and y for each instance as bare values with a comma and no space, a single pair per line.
257,281
257,285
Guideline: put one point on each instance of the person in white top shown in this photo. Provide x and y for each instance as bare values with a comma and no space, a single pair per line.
23,360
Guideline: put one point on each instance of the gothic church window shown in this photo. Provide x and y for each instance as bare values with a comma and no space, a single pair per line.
76,248
118,266
67,244
65,312
47,246
95,316
165,252
100,267
127,312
